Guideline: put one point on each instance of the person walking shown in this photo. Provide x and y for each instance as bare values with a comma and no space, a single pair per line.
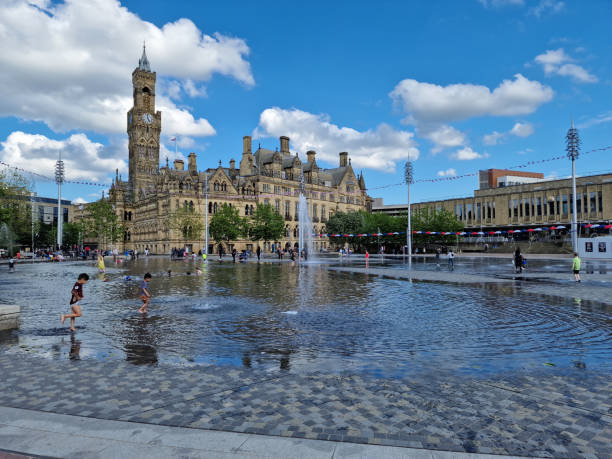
11,265
518,261
576,262
258,253
451,260
234,252
145,295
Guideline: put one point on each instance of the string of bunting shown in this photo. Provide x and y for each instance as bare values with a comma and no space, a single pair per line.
463,233
427,180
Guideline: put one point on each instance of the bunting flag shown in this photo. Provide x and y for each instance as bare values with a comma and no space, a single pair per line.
424,180
459,233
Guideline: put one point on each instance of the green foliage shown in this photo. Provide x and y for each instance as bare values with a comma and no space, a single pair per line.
15,208
361,222
227,225
187,222
73,233
266,224
102,222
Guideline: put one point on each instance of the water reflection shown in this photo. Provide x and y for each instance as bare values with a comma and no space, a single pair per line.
289,317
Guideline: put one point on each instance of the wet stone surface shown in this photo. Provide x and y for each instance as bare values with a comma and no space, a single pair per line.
547,414
459,362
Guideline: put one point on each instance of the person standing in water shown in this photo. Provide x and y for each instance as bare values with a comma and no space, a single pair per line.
77,295
258,253
11,265
576,262
145,295
101,266
451,259
518,261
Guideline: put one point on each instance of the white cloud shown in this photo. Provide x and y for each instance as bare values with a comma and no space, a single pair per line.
557,62
427,102
605,117
467,154
79,200
69,66
442,136
378,148
518,130
83,159
447,173
522,129
500,3
493,138
546,7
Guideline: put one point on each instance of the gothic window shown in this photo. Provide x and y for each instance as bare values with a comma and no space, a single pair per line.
191,205
130,216
146,90
185,205
210,207
295,232
215,208
251,209
216,186
181,186
246,210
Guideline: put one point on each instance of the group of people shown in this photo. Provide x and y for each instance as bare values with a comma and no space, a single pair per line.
77,294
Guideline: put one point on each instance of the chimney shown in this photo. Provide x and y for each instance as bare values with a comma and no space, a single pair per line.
192,165
246,144
179,165
343,159
284,145
310,154
232,164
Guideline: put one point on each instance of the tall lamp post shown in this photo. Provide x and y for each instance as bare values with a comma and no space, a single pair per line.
59,178
206,214
408,177
572,141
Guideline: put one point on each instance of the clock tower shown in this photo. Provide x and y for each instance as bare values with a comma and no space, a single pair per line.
143,128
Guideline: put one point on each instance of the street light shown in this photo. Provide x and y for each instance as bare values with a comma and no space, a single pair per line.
59,178
408,177
572,141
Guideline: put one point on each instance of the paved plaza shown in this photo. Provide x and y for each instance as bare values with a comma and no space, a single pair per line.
543,415
308,411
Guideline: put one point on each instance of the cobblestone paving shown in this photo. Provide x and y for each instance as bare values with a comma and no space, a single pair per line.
547,414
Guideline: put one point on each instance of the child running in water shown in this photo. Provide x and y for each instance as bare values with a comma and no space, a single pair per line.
77,295
145,295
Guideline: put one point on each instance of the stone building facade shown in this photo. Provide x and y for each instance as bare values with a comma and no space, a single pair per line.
543,203
151,193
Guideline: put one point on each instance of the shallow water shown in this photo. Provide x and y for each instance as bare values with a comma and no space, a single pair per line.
292,317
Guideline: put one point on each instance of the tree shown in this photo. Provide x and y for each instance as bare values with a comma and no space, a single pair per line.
102,222
73,232
187,222
15,209
227,225
266,224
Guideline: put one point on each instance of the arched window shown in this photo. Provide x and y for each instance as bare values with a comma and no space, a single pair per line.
185,205
295,232
180,185
146,90
246,210
191,205
130,216
215,208
210,207
251,209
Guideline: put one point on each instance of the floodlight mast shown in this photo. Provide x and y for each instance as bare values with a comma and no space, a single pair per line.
408,177
572,141
59,179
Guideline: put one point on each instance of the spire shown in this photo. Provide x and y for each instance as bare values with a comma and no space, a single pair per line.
143,62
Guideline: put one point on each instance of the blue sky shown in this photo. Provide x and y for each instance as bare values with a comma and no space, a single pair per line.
458,85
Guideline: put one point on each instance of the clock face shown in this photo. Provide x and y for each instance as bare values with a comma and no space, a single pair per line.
147,118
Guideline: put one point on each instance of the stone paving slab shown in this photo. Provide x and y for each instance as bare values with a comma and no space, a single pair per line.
549,414
116,439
